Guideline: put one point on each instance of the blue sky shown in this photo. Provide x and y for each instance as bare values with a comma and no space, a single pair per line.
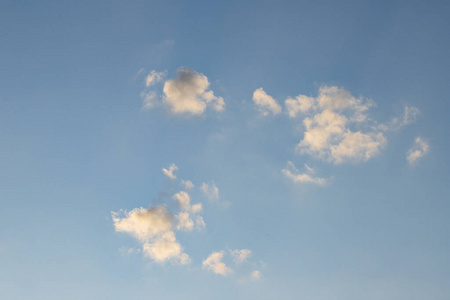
313,134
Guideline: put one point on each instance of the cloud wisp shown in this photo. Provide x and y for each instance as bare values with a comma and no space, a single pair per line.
187,94
419,150
292,173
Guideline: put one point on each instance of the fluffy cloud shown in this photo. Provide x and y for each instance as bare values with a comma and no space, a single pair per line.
171,171
210,190
293,174
153,228
143,223
166,248
215,264
265,103
187,94
240,256
185,221
419,150
337,126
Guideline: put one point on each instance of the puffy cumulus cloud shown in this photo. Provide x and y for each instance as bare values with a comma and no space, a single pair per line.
143,223
171,171
153,228
240,256
294,174
183,199
215,264
188,213
265,103
334,126
419,150
210,190
255,275
188,94
165,248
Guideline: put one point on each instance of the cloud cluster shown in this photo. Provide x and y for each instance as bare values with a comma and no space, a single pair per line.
294,174
337,126
155,227
187,94
419,150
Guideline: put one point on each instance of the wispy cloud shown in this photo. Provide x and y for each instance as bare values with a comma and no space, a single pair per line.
294,174
419,150
210,190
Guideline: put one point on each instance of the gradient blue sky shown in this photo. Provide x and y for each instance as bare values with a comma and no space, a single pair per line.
77,144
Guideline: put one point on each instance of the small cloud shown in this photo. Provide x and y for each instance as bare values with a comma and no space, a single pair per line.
183,199
154,77
187,184
171,171
419,150
265,103
294,174
153,228
214,263
256,275
188,94
330,122
240,256
210,190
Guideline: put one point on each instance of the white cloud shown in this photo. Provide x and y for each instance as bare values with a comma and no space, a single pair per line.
210,190
293,174
240,256
143,223
301,104
419,150
334,126
187,184
189,94
165,248
214,263
265,103
153,228
255,275
171,171
154,77
183,199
